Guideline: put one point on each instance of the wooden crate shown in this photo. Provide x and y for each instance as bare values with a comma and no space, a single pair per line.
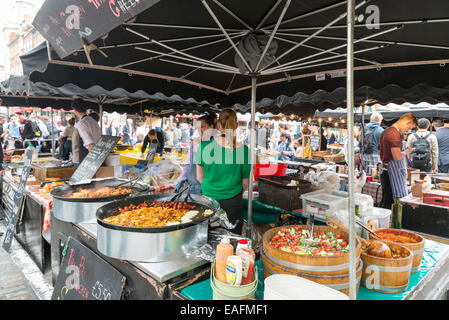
43,174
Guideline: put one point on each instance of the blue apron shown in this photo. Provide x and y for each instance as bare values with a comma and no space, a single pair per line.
191,174
397,171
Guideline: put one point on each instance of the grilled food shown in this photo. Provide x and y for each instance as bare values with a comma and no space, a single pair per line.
144,215
100,192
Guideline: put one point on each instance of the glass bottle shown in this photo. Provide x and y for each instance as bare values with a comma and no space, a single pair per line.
396,214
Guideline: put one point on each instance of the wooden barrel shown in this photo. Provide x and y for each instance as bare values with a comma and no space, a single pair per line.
416,243
387,275
332,271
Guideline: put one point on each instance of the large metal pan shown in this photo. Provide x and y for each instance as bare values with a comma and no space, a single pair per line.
152,244
78,210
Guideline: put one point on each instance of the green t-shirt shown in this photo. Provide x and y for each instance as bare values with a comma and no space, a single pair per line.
224,169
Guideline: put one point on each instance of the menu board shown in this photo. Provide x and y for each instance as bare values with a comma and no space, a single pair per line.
64,22
94,159
18,200
84,275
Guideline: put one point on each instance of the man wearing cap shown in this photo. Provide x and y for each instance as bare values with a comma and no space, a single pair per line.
87,128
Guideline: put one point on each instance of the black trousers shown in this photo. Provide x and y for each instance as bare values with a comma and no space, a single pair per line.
233,208
387,193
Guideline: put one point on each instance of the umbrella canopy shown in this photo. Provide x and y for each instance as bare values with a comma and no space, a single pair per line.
18,90
195,49
422,110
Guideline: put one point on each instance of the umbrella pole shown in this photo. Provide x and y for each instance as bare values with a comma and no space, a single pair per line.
101,118
350,119
52,134
253,158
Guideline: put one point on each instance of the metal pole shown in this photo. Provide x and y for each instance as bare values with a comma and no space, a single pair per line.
52,135
253,157
350,119
101,118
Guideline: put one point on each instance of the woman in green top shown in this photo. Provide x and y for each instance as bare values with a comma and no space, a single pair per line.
223,168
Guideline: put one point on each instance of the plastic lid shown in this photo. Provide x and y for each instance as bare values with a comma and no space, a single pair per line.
243,241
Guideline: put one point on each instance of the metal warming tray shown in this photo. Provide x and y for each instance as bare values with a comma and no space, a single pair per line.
78,210
152,244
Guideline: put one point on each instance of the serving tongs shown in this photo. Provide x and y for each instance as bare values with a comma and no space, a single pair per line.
133,182
310,241
178,195
373,233
332,223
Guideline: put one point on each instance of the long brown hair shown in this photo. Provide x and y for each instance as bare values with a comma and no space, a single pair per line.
228,121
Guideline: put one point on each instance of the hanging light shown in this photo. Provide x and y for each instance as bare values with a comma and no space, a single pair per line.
329,119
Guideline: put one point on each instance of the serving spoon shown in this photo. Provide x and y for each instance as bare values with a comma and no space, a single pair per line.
310,241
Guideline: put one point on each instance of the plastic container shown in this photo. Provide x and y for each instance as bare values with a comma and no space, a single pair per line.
248,259
364,201
234,270
263,170
290,287
242,243
321,204
224,250
276,191
222,291
379,216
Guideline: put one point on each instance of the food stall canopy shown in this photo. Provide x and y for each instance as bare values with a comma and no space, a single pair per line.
194,49
18,90
421,110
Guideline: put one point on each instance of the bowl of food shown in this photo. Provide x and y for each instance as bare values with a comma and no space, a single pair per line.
408,239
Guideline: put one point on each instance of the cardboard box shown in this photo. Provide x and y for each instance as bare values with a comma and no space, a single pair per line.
417,190
109,172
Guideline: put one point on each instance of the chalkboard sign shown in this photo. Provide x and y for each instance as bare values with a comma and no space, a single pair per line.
315,142
64,22
83,275
18,200
94,159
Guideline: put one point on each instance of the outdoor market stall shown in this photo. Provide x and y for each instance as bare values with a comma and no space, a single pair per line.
190,73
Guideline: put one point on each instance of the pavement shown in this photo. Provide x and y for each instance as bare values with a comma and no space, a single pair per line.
20,278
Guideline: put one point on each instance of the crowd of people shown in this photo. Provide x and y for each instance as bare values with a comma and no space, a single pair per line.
218,163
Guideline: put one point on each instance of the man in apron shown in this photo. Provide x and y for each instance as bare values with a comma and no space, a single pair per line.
393,156
88,131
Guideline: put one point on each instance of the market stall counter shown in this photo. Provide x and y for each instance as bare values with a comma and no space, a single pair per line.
432,219
144,280
430,282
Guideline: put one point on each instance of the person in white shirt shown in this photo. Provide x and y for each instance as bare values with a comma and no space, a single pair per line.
88,129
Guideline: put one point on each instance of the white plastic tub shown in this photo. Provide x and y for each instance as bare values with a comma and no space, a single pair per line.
321,204
290,287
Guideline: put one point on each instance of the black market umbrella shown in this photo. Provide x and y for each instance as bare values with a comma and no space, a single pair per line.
18,90
224,51
422,110
184,47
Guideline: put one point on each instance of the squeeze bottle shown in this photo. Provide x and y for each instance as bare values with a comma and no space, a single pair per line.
234,270
224,250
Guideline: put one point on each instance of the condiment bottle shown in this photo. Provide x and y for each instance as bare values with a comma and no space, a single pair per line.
248,258
224,250
234,270
241,243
